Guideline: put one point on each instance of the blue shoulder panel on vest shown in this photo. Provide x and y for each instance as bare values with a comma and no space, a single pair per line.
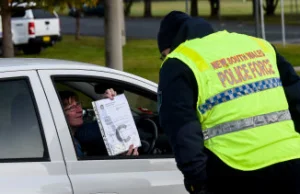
240,91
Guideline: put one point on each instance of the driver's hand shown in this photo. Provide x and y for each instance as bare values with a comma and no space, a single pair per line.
110,93
132,151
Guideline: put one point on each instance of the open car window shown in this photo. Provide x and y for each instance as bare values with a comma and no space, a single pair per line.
143,106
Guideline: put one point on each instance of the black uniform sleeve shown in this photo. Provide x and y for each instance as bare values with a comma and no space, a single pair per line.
178,94
291,83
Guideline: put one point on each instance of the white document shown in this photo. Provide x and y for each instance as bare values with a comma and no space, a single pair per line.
116,124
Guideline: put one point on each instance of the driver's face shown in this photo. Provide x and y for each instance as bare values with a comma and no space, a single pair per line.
73,112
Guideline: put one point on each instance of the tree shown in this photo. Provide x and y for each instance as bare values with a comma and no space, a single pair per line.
214,8
7,44
270,7
127,6
147,10
76,6
76,11
194,7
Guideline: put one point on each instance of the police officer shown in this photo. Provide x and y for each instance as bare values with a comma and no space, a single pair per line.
230,105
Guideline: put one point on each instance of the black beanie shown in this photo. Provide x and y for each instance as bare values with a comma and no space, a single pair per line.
169,27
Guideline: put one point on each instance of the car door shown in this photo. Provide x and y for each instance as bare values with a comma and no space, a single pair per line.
142,174
31,160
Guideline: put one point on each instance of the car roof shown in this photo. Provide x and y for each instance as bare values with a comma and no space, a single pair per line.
23,64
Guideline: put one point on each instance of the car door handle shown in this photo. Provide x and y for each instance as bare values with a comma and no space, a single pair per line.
19,24
47,23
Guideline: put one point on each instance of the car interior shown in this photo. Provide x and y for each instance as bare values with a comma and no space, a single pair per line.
143,105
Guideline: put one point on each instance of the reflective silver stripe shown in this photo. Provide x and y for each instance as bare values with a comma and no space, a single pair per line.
246,123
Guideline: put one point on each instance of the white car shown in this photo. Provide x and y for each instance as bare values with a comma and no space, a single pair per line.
33,28
37,154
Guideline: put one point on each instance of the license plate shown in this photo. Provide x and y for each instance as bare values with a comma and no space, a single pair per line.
46,38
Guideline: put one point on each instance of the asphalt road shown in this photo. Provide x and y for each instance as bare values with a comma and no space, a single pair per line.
147,28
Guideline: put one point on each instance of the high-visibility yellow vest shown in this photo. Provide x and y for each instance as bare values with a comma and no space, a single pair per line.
241,102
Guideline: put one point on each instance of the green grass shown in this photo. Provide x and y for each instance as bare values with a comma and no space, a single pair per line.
161,8
229,10
141,57
228,7
291,53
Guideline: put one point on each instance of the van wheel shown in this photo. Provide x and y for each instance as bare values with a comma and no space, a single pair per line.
32,49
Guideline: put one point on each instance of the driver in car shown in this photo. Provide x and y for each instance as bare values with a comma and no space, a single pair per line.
87,136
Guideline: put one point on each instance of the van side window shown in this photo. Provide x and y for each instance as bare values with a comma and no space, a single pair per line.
21,134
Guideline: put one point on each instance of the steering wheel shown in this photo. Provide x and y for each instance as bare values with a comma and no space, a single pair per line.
154,135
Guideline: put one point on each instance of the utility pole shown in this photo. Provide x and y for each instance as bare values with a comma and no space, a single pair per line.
262,19
113,32
257,15
282,22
